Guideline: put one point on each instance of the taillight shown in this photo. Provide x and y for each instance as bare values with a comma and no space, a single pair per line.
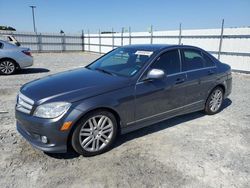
27,52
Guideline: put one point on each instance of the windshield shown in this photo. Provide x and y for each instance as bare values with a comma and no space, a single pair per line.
122,61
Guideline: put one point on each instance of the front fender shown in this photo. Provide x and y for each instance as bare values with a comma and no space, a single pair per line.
121,101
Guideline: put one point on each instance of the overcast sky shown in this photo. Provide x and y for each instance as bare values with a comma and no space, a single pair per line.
74,15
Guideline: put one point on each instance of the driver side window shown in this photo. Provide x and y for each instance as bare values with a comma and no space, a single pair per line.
169,62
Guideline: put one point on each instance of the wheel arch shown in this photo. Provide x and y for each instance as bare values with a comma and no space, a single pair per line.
211,90
223,87
219,85
114,112
8,58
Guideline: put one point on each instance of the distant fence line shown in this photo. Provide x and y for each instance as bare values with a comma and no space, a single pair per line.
230,44
81,41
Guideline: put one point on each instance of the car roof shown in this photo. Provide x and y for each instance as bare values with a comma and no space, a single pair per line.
156,47
149,47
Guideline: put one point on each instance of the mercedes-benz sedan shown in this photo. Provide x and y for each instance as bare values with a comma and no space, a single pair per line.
128,88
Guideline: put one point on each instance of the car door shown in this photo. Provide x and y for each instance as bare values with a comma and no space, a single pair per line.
200,75
155,99
208,81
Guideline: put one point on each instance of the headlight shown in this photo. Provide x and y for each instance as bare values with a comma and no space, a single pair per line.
51,110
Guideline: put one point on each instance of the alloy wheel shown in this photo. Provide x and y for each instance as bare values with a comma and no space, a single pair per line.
7,67
96,133
216,100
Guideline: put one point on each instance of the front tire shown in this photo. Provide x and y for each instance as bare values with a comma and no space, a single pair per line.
7,67
214,101
95,133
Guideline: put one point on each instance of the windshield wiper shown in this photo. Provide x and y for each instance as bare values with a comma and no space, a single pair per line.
105,71
88,68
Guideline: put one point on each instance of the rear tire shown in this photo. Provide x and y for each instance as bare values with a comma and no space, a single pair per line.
7,67
214,101
95,133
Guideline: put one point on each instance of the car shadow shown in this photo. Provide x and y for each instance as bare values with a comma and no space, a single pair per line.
145,131
227,102
32,70
69,155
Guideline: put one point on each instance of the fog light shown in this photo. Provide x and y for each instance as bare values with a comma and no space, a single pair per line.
44,139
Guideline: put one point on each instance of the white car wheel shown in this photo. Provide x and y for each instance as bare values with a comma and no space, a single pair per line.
7,67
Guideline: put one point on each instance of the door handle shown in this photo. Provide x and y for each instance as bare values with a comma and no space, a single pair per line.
179,80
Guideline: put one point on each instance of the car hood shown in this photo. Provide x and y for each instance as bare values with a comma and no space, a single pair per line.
72,86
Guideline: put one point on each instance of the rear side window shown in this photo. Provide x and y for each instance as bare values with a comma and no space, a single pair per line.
169,62
192,59
208,61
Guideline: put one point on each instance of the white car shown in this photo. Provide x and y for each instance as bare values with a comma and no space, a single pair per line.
13,58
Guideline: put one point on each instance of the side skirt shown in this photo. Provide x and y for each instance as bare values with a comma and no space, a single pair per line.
163,116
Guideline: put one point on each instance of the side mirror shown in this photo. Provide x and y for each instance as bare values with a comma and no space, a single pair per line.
155,74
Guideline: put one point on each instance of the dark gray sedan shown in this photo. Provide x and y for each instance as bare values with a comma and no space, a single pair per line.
128,88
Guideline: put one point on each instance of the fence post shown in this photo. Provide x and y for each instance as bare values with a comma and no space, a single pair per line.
37,41
100,42
88,40
63,43
180,30
83,47
221,38
151,37
40,42
122,36
113,39
129,35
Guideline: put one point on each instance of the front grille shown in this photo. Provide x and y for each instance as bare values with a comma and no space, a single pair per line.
24,104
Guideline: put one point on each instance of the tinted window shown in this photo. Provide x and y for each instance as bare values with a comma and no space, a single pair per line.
1,45
208,61
192,59
169,62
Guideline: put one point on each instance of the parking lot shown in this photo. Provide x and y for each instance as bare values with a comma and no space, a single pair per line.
193,150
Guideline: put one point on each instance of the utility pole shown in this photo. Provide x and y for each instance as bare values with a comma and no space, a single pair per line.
33,15
221,38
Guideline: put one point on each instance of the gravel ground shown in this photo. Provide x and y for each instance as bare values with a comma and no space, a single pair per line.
188,151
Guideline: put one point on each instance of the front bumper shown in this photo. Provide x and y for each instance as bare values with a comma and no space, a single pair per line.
33,128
